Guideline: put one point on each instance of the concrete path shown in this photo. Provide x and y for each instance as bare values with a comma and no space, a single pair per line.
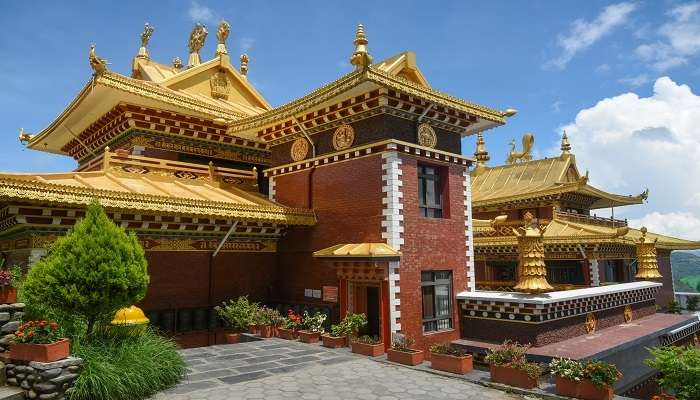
280,369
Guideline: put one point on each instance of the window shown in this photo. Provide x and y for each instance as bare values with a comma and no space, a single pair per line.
429,191
437,300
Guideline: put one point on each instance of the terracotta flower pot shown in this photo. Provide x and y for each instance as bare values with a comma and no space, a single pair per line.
40,352
513,377
583,389
334,342
232,338
309,337
366,349
266,331
449,363
404,357
8,295
254,329
289,334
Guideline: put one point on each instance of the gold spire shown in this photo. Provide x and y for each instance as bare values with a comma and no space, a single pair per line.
565,145
99,65
196,42
647,264
361,58
145,37
221,35
244,64
481,155
532,271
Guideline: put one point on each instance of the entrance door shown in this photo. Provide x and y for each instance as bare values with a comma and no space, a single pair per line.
366,301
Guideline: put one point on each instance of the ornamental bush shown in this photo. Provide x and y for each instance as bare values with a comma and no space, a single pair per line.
91,272
680,369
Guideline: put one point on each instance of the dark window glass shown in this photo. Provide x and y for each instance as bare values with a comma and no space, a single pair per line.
436,287
429,191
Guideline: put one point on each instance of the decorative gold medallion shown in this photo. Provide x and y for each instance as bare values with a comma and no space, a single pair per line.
219,85
591,323
300,148
628,313
696,340
343,137
426,135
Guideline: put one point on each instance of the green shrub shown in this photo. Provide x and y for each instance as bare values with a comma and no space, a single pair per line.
91,272
673,307
125,367
237,314
401,342
513,355
601,373
692,303
567,368
448,349
680,369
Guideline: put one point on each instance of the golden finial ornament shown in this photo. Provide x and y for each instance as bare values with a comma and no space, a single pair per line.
24,137
244,64
177,63
361,58
148,30
196,42
532,271
647,263
565,145
99,65
515,156
481,154
221,35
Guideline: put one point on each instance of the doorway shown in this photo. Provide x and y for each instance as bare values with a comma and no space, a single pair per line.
366,300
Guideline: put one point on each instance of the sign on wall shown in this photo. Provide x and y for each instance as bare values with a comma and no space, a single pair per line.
330,294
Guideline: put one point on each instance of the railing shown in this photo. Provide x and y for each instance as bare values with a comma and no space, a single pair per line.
588,219
507,286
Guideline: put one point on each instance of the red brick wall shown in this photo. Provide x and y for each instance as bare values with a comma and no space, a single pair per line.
431,244
347,199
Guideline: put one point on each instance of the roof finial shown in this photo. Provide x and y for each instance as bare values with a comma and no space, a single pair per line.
99,65
361,58
565,145
221,35
197,38
145,37
481,154
177,63
244,64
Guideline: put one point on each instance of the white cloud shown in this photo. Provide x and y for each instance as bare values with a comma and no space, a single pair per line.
635,81
679,39
556,106
602,68
201,13
630,143
584,34
246,44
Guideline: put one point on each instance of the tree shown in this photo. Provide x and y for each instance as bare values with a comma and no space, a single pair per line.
692,303
673,307
91,272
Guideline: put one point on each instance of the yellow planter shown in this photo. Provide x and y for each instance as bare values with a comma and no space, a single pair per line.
131,319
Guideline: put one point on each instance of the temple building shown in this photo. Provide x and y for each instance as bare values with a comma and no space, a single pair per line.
581,249
353,197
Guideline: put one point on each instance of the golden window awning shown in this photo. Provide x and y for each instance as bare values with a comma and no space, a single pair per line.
359,251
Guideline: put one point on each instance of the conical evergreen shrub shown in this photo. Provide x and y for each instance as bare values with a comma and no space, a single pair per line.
91,272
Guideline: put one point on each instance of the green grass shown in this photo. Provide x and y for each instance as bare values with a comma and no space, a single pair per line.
692,281
123,367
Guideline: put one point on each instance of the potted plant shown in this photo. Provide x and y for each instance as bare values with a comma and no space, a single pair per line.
312,327
254,325
9,281
237,315
445,357
290,329
348,326
40,341
592,381
367,345
401,351
266,320
509,366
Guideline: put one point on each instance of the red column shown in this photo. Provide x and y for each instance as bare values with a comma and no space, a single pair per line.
343,297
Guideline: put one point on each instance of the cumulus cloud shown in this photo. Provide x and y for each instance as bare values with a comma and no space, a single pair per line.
583,34
630,143
201,13
679,38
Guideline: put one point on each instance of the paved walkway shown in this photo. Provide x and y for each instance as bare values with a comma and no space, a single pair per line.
279,369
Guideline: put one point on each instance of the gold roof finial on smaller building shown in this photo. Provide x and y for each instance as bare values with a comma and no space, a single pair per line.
244,64
481,155
196,42
177,63
647,263
145,38
99,65
221,35
24,137
361,58
565,145
532,270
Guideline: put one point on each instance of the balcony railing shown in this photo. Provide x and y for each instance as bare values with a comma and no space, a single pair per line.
588,219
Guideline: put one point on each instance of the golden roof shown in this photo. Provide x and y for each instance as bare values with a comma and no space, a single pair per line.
154,187
359,250
492,186
562,231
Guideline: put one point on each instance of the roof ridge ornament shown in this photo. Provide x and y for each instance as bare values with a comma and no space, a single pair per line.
244,64
565,145
361,58
196,42
521,156
99,65
481,154
222,33
148,30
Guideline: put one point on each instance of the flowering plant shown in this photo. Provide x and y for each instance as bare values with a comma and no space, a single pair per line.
448,349
567,368
601,373
5,278
267,316
512,354
39,332
366,339
402,343
293,321
237,314
313,323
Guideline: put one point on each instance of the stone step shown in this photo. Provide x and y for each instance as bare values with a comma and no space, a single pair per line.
11,393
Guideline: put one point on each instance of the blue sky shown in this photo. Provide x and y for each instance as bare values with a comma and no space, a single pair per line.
590,66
